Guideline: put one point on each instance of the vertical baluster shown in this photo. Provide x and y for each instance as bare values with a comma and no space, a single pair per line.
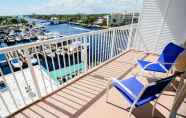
120,41
16,82
126,36
78,60
47,66
64,59
42,75
85,52
82,52
96,49
101,49
9,90
109,44
53,64
58,52
112,42
73,58
116,43
24,76
68,54
93,48
123,39
128,40
32,71
5,104
106,45
89,51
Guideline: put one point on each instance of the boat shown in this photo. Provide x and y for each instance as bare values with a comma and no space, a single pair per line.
18,39
3,86
26,38
33,38
16,63
10,40
33,60
51,35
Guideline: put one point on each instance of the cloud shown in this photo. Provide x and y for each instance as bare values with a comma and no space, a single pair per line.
77,6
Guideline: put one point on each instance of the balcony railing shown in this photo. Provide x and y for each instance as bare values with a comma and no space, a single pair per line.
31,71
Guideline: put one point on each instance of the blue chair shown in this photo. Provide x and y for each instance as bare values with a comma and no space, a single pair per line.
137,94
165,61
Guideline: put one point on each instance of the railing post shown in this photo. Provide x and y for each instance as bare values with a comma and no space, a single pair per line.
130,32
112,43
33,73
85,53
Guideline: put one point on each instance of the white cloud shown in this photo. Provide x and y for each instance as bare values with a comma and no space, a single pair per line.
86,6
79,6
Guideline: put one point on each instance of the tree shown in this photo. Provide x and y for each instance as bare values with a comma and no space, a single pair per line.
13,21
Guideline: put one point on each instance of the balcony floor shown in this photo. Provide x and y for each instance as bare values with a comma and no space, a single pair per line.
85,98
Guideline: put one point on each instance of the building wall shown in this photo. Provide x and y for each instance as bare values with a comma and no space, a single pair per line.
162,21
116,19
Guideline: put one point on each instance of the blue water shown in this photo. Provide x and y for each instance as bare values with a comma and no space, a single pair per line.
67,29
64,29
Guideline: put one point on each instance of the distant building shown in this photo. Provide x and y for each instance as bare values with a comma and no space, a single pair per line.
54,20
99,21
117,19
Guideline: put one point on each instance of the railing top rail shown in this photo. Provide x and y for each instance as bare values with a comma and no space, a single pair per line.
61,39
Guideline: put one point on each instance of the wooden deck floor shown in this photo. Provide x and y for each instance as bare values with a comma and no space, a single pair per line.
85,98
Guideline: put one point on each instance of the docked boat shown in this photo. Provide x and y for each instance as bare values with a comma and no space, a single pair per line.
3,86
51,35
26,38
16,63
33,60
18,39
10,40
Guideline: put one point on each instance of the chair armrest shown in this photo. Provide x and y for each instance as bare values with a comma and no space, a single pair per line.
166,63
155,62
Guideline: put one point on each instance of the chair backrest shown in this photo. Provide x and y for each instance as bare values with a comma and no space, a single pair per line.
169,54
156,87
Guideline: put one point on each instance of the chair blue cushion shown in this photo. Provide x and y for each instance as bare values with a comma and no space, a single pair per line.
169,54
154,67
135,87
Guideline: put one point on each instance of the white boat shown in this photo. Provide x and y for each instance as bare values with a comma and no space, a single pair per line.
16,63
18,39
51,35
33,60
3,86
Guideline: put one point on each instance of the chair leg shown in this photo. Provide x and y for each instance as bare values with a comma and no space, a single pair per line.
174,87
153,109
130,111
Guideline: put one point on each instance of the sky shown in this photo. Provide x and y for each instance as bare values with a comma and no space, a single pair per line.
23,7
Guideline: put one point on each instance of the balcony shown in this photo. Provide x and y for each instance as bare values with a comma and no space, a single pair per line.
67,77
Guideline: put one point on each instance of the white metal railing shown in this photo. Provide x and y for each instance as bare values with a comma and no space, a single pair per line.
32,71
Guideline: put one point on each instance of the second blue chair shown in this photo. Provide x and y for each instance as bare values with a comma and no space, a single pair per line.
165,61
